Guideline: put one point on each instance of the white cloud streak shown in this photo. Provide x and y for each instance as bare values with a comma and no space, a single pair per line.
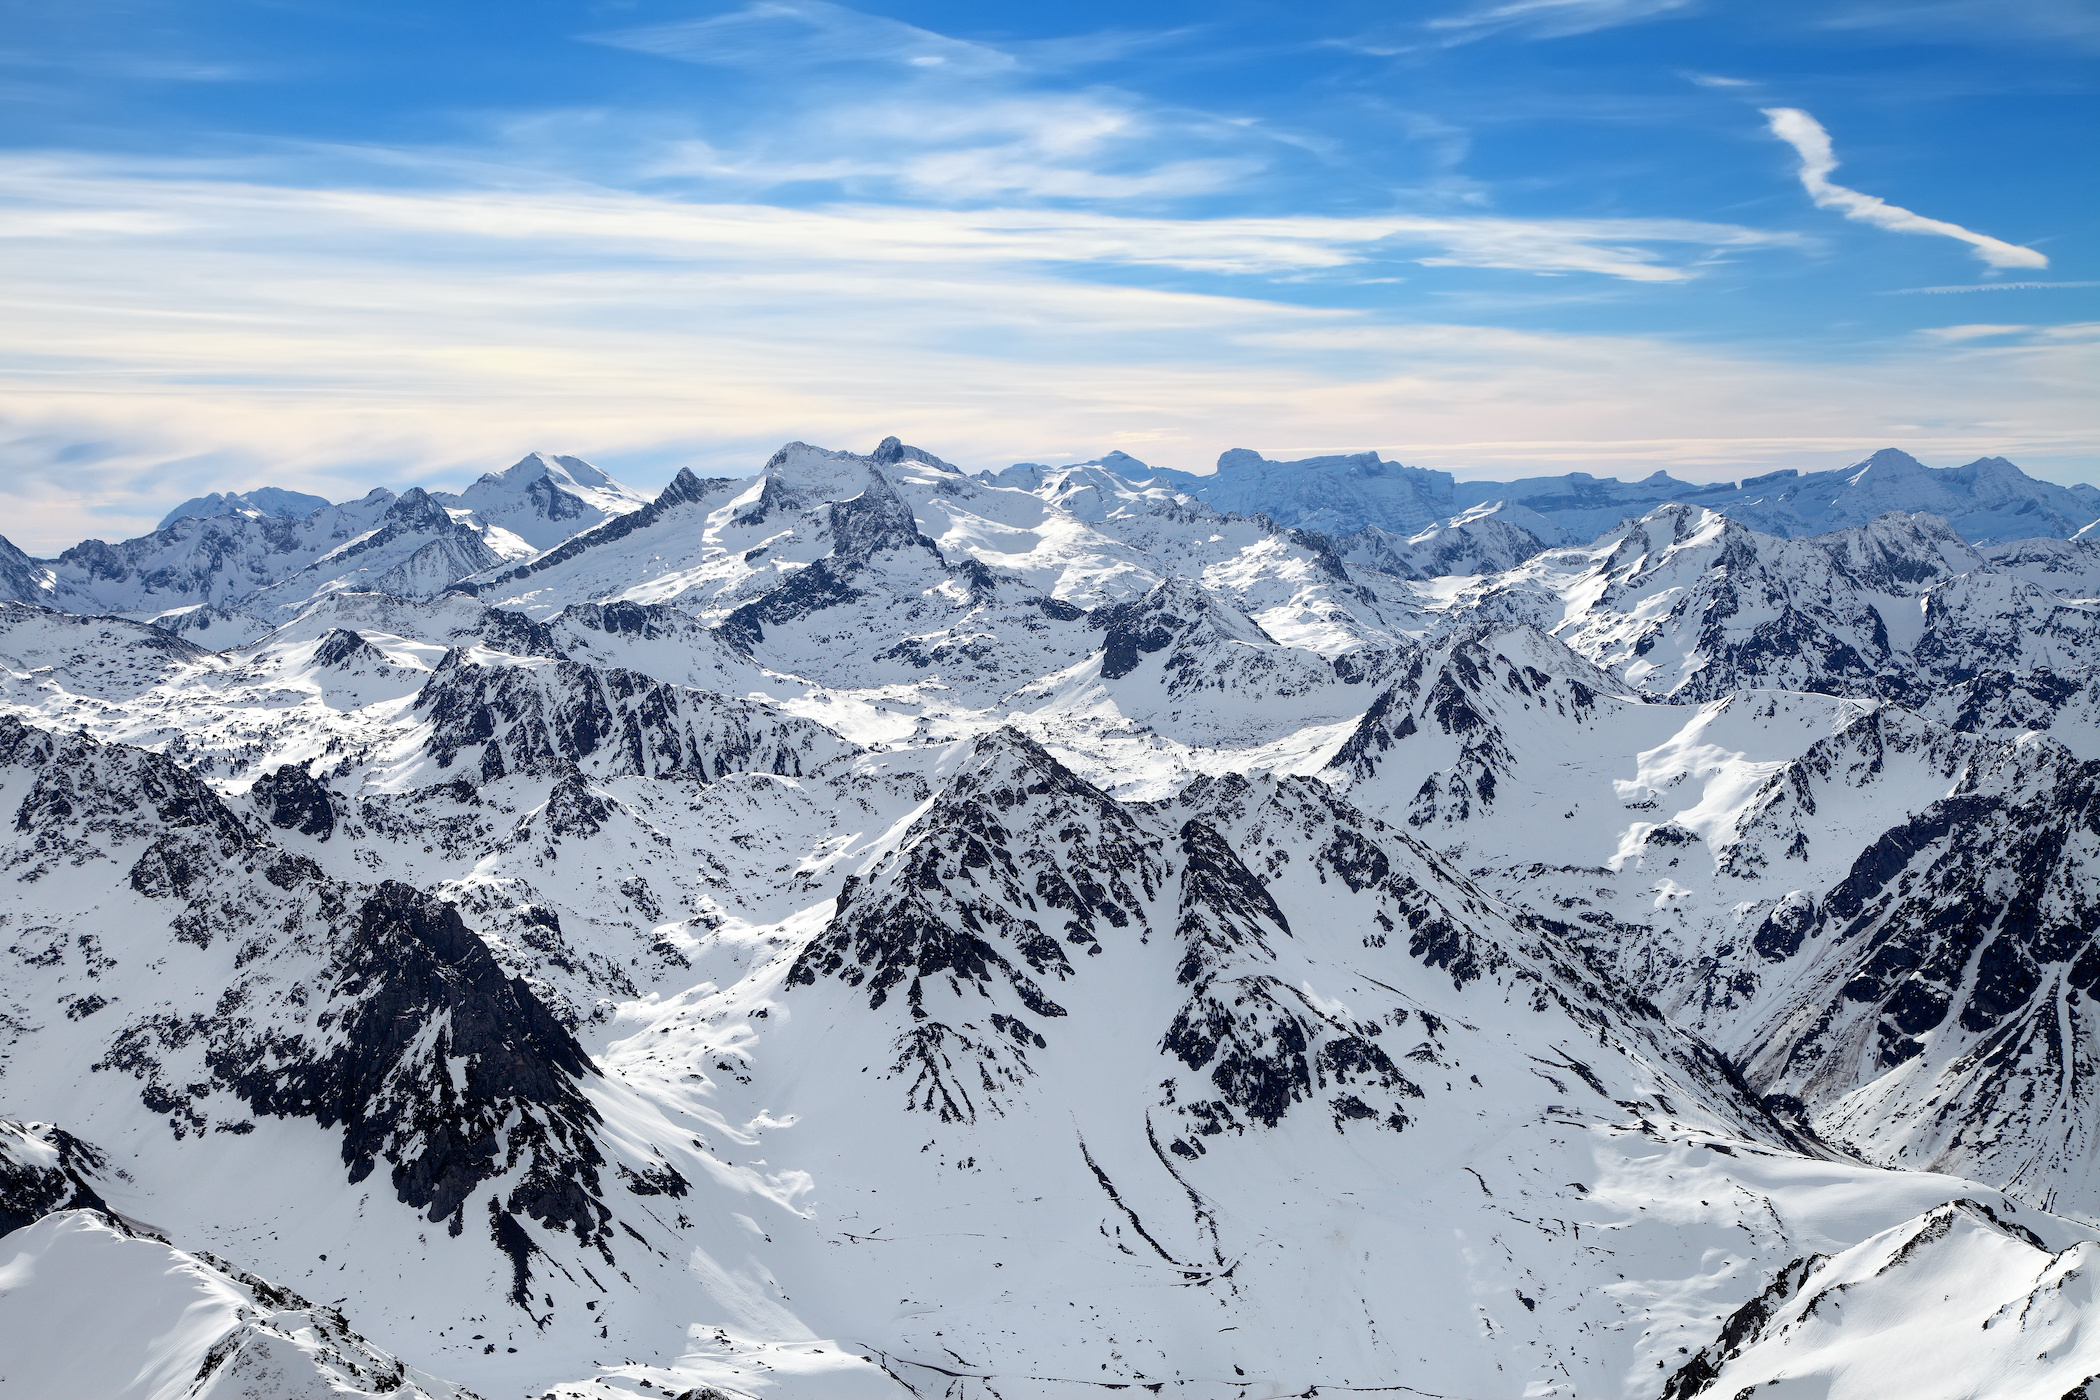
53,201
1812,143
1984,287
777,34
2058,24
1552,19
161,337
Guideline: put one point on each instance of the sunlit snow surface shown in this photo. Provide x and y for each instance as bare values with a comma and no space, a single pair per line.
1045,935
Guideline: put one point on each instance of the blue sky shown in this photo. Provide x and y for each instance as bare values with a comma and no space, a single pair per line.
326,245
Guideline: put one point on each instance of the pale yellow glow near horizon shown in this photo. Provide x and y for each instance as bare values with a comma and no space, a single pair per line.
159,339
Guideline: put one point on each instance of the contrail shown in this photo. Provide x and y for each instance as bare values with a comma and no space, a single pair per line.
1807,136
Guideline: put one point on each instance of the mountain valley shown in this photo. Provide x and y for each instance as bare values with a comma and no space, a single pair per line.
872,930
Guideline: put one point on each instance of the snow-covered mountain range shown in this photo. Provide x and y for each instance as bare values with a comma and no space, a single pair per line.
1988,501
868,930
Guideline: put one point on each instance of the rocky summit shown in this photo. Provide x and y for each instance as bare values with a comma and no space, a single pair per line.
869,930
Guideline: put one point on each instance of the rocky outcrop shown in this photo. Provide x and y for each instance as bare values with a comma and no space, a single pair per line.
507,717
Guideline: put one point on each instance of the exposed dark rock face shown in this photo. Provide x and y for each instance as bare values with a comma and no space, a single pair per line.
964,866
377,1014
1407,896
1963,936
1457,691
608,719
1898,609
518,634
1133,629
433,1060
573,810
42,1169
550,502
116,793
648,621
1260,1043
293,800
1015,869
454,551
810,589
2002,703
1743,1326
955,940
341,646
876,520
1174,613
1211,655
1800,619
890,451
21,579
1895,911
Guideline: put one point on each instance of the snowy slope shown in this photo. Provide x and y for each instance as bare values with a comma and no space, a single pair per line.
235,566
1909,985
261,501
262,565
167,1325
1960,1301
542,500
866,928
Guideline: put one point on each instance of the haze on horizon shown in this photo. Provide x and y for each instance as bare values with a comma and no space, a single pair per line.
325,250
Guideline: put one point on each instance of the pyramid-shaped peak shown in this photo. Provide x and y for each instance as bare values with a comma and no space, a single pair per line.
562,469
416,509
1889,461
1683,520
1183,604
1008,769
890,450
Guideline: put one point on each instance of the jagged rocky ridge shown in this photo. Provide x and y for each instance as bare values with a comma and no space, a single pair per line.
869,927
171,1323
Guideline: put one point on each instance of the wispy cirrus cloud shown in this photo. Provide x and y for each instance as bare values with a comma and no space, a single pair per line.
1088,147
119,201
2073,23
777,34
876,108
1812,143
167,332
1551,19
1984,287
808,33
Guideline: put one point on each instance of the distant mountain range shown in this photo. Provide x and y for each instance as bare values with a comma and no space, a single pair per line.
223,568
226,567
1987,502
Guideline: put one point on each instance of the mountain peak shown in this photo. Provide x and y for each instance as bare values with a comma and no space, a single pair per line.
890,451
1889,461
572,471
262,501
